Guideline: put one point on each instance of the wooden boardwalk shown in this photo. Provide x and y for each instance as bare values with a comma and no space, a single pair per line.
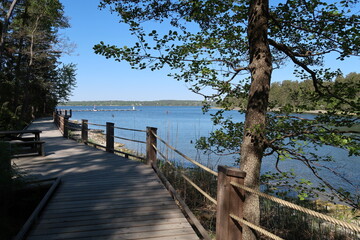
102,196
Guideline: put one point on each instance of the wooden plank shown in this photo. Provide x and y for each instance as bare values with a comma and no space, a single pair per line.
92,207
109,189
150,223
35,215
194,221
123,220
126,233
151,183
103,196
170,213
90,202
124,210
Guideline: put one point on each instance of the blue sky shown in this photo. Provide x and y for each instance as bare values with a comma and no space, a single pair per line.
99,78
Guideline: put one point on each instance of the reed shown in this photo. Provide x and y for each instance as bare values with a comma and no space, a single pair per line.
280,220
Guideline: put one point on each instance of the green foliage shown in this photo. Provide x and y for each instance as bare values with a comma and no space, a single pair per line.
32,80
208,44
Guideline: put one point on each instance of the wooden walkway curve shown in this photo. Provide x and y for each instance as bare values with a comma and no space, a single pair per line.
102,196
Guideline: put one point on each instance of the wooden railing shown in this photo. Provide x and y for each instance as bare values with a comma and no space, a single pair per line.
231,191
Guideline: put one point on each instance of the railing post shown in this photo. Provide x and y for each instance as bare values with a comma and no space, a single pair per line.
61,124
84,130
229,200
110,137
57,120
66,129
151,141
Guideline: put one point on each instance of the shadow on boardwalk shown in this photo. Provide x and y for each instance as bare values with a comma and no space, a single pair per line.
102,195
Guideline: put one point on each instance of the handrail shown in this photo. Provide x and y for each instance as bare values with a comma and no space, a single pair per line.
129,154
74,128
299,208
195,222
95,124
127,139
255,227
187,178
96,144
129,129
186,157
61,121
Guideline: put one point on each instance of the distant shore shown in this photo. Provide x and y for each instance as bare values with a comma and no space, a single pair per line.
116,103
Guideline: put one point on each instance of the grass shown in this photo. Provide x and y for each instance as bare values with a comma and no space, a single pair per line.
280,220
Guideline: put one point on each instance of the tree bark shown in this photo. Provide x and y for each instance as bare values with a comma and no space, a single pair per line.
5,27
253,144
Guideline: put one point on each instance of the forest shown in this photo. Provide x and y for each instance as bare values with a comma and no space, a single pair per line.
287,95
32,78
298,96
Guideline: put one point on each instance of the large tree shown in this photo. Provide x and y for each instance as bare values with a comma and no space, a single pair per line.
228,49
32,80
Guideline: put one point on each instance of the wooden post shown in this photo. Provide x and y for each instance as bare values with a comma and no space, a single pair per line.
61,124
66,129
70,113
65,113
229,200
151,154
84,130
110,137
57,120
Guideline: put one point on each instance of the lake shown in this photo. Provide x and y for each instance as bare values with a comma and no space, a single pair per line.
181,126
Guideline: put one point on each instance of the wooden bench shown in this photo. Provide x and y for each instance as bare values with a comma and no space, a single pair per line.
16,141
38,145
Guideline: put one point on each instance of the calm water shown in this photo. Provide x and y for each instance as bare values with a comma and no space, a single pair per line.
181,126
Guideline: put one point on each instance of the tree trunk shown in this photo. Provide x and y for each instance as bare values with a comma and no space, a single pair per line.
4,29
253,145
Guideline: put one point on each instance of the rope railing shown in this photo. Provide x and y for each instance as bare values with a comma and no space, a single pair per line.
96,144
74,128
255,227
127,154
299,208
186,157
95,124
229,208
205,194
130,140
129,129
199,189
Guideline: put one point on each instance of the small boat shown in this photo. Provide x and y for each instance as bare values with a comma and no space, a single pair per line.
94,109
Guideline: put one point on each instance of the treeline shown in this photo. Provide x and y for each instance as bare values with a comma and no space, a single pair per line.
136,103
294,96
32,80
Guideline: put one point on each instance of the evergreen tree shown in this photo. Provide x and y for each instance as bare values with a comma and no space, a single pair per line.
32,80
